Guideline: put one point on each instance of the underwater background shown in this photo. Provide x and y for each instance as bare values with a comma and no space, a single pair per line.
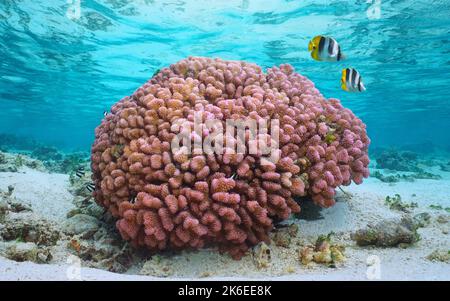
64,63
61,68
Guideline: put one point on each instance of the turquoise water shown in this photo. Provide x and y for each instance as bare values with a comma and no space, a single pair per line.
59,70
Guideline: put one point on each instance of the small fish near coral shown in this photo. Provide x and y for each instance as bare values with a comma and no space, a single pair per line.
351,81
80,172
90,186
325,49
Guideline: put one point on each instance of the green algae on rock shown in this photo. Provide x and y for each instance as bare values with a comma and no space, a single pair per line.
324,251
396,203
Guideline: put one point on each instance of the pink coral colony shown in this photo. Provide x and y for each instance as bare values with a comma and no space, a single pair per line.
173,200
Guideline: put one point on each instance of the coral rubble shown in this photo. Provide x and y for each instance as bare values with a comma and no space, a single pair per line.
445,167
13,162
439,255
39,159
23,235
323,252
398,160
397,177
173,199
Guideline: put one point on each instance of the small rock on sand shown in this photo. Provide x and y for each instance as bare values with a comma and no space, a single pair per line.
439,255
443,219
422,219
81,224
388,233
27,251
29,228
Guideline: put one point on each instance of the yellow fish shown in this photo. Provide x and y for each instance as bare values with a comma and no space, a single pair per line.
325,49
351,81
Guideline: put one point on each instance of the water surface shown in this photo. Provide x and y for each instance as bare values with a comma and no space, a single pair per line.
58,72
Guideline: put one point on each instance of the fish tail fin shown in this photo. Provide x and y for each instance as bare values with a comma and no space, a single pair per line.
363,88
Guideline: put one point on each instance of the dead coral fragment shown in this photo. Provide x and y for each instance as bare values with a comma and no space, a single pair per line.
439,255
388,233
27,251
323,252
262,255
397,177
306,255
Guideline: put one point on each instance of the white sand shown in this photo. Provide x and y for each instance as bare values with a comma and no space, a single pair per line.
48,195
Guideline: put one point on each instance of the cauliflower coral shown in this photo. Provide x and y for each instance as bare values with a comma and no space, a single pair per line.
170,199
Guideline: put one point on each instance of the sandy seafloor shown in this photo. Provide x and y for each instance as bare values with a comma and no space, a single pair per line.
49,197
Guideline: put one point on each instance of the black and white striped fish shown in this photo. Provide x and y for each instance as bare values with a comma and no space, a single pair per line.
80,172
351,81
105,113
325,49
90,186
